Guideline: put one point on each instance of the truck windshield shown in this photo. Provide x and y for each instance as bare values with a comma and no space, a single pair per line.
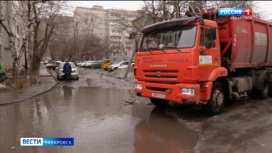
180,37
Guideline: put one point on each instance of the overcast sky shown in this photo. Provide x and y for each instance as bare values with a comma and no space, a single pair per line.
263,6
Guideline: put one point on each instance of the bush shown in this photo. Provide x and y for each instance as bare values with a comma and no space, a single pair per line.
33,79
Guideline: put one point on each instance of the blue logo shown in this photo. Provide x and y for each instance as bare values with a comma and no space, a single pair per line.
47,141
230,12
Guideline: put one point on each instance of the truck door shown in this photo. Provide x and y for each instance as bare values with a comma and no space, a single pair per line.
209,58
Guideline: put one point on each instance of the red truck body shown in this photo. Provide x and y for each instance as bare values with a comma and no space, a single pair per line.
205,62
251,41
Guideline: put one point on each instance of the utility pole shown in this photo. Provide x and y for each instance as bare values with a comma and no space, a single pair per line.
164,11
137,38
176,8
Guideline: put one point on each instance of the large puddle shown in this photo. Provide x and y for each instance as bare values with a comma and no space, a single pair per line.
102,122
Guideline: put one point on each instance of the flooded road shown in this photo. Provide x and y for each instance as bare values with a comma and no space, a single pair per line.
97,115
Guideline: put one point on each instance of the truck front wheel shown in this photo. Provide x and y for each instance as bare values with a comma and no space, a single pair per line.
218,99
159,102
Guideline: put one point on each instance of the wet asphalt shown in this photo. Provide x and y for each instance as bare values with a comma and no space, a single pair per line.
104,116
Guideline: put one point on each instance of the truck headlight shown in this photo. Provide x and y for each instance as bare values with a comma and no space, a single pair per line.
138,86
188,91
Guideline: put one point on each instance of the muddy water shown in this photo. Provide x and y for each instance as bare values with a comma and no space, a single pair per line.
102,122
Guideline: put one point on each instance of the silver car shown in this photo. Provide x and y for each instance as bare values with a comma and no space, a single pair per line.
60,74
119,65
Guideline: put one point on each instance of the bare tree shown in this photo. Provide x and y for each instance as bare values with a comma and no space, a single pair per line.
45,17
163,10
22,12
61,42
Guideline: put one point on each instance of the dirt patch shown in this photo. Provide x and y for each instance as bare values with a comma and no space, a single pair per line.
22,84
119,73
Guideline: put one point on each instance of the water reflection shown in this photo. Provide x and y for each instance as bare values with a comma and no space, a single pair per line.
163,133
67,91
68,112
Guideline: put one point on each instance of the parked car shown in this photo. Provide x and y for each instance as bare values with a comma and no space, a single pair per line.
96,64
52,64
60,74
85,63
45,61
81,64
88,64
119,65
76,62
106,63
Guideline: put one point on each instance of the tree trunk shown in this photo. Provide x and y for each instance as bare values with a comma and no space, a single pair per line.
35,65
26,63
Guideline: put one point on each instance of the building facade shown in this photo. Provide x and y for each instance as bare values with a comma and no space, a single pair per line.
9,14
89,21
112,26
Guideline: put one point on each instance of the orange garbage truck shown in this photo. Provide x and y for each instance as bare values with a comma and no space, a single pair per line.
205,60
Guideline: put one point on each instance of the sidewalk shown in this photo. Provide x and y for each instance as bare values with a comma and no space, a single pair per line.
47,83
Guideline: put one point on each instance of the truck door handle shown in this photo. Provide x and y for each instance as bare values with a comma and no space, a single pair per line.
217,58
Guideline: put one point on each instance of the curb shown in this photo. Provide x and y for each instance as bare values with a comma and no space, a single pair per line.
35,95
43,76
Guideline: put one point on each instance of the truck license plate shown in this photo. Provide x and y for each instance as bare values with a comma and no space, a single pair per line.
158,95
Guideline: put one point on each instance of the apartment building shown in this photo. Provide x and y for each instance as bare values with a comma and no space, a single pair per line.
65,27
62,36
88,21
9,14
110,25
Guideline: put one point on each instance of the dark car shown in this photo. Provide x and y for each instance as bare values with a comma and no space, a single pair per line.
96,64
3,77
45,61
52,64
76,62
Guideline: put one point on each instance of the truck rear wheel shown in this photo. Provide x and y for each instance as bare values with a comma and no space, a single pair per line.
264,92
218,99
270,88
159,102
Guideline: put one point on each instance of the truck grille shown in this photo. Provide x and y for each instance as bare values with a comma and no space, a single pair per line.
156,89
172,74
162,82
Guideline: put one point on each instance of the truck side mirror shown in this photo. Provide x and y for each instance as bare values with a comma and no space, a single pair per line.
213,32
